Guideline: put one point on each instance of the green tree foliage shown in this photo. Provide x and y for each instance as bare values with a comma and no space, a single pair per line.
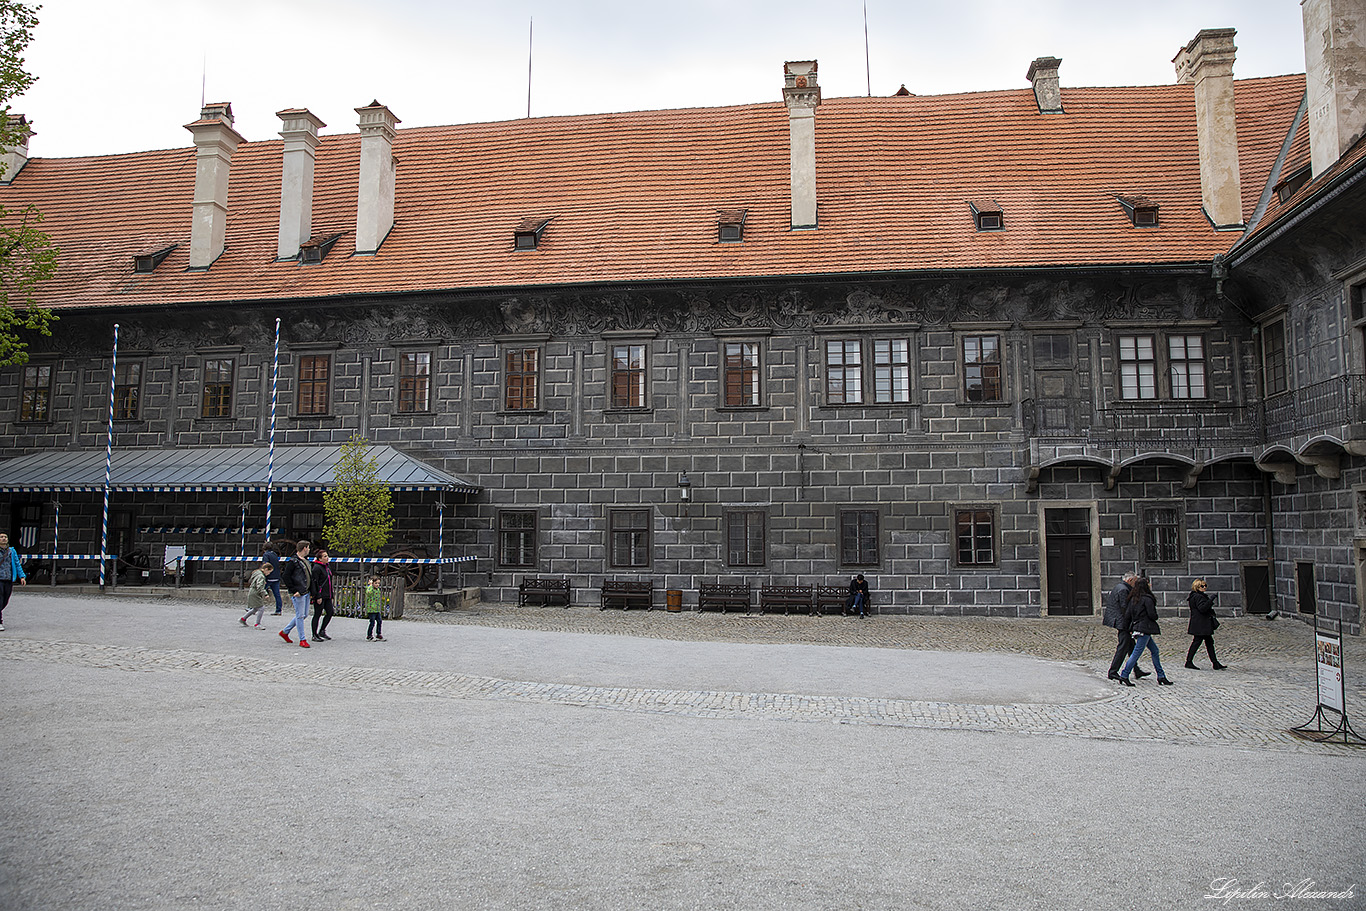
359,508
27,256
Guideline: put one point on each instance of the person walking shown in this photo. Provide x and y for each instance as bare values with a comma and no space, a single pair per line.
272,556
1202,626
1142,620
322,595
297,578
1116,607
11,571
256,594
374,609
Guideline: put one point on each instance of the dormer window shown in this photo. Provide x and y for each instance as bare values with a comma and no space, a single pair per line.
1141,210
1291,185
316,248
147,262
730,225
988,215
528,234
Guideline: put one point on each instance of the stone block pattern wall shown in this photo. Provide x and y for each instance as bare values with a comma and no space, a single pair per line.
1322,525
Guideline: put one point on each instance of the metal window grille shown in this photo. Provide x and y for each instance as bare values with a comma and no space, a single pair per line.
629,534
1162,535
858,537
745,538
976,531
517,538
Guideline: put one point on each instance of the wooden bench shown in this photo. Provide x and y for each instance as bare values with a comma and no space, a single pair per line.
832,596
543,592
627,595
786,596
722,596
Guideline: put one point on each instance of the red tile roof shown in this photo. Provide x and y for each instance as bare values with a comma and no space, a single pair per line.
633,197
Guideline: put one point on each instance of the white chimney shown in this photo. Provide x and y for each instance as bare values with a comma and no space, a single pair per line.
15,156
1208,63
300,133
1043,73
215,140
1335,67
801,94
375,197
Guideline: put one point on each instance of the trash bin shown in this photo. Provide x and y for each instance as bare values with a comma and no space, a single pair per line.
673,599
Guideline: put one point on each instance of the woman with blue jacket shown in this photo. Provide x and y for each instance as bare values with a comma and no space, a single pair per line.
11,571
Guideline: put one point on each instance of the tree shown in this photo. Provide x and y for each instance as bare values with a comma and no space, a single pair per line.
27,256
359,509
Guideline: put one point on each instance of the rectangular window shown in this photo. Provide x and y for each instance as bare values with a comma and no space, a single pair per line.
976,534
127,387
1054,349
843,372
982,368
1274,375
1137,367
741,374
521,379
414,381
35,394
1186,363
628,376
217,388
858,537
629,537
307,526
1162,534
314,373
517,538
891,371
745,542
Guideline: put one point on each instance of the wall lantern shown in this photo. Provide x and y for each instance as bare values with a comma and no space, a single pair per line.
684,487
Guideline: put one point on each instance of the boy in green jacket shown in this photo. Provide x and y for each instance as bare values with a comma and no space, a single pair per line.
374,609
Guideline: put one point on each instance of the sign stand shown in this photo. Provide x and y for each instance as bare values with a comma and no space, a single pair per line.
1331,684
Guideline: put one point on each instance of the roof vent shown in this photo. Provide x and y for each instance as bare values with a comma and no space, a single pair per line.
902,92
987,214
730,225
316,248
1141,210
528,234
1291,185
147,262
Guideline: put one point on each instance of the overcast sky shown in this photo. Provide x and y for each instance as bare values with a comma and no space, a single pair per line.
126,76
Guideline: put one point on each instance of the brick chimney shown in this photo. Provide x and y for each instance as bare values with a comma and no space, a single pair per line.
300,133
215,140
1043,73
1335,64
15,156
375,198
801,94
1207,62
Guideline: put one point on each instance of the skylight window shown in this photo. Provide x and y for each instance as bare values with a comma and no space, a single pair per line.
147,262
730,225
528,234
1141,210
987,215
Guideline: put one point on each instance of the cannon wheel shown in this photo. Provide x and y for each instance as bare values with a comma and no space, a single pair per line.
415,575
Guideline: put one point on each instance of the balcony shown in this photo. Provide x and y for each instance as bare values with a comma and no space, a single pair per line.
1166,425
1336,406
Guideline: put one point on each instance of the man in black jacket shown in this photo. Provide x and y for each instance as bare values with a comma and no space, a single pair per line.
297,577
1115,606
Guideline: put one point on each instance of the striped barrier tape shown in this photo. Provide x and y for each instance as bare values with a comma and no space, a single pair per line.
401,560
198,530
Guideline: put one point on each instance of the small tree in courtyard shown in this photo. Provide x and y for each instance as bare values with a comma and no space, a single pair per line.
359,508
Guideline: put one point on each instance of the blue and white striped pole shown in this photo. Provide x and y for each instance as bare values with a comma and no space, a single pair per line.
56,535
270,465
108,458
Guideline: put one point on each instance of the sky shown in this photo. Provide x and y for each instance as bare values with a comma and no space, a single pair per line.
127,76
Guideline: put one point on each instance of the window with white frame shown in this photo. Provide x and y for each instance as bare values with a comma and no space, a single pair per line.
628,376
843,372
1186,366
740,372
891,371
1137,367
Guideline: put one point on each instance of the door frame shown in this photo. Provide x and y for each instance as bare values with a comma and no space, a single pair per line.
1093,523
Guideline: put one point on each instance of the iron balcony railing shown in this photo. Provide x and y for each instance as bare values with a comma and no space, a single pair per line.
1335,404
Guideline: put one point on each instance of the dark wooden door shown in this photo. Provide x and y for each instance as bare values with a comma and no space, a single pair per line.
1069,575
1304,588
1257,588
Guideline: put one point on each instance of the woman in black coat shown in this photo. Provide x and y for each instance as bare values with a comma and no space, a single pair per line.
1202,626
1141,617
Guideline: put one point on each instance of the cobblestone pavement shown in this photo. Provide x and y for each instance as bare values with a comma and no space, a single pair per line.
1269,688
